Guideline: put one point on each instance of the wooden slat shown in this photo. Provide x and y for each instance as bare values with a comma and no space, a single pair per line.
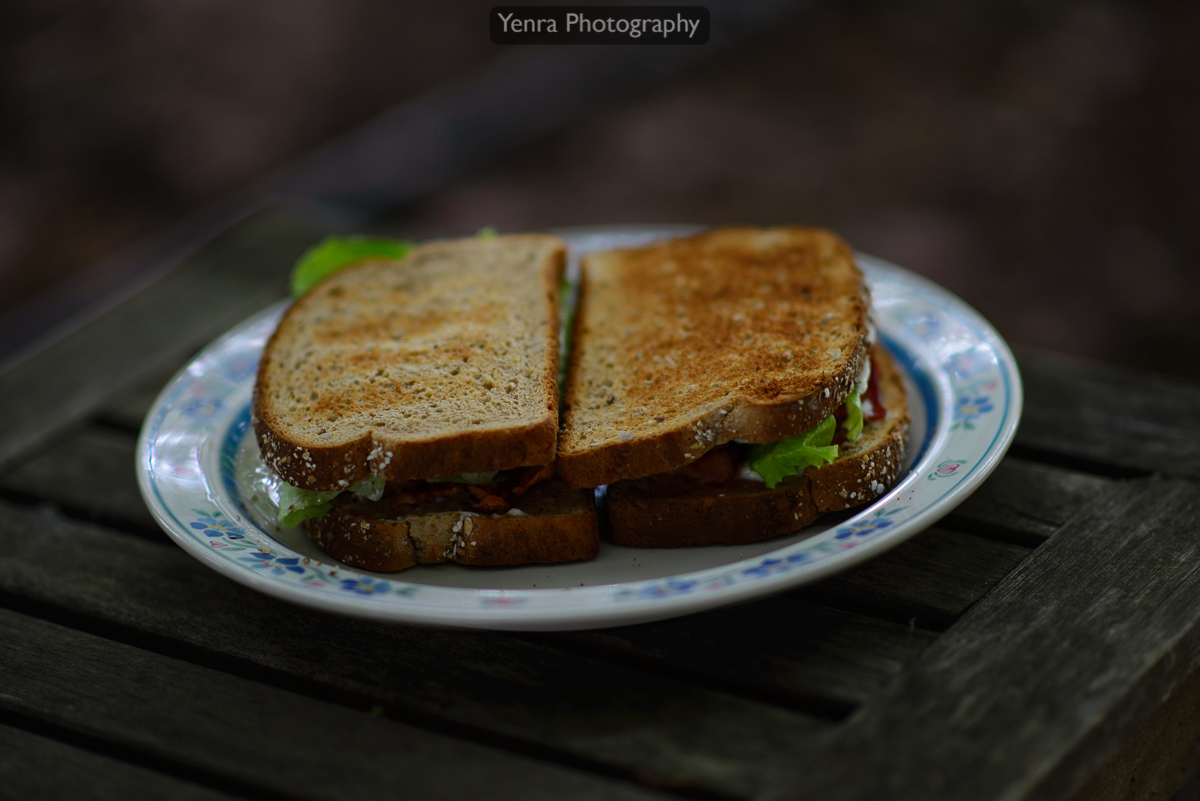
1036,687
1026,500
32,766
89,470
665,730
238,274
928,581
781,648
1157,759
208,721
1117,417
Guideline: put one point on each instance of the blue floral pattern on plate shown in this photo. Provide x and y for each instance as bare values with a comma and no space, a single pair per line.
881,519
968,409
222,534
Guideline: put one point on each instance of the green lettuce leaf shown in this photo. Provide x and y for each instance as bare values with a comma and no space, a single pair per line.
298,515
297,505
336,252
370,487
776,461
854,417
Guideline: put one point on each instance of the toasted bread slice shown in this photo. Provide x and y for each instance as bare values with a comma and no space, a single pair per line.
555,524
737,333
441,363
670,510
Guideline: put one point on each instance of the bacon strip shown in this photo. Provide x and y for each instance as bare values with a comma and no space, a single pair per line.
877,411
490,498
718,466
486,500
532,475
410,493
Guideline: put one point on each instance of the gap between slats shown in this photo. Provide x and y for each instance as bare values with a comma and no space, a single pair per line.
19,498
138,758
1082,464
824,708
828,709
116,424
989,531
289,682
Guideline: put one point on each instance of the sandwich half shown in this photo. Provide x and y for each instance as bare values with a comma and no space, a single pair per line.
727,388
411,408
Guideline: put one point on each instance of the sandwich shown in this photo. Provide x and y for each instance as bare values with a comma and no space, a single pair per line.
728,388
409,404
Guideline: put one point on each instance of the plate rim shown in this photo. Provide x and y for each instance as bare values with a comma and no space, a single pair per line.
514,616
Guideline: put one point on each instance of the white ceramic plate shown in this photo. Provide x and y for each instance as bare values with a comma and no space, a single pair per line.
197,468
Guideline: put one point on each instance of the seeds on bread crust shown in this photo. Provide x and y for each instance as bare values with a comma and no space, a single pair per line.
557,524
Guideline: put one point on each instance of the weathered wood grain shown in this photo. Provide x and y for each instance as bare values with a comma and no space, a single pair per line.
1117,417
89,470
1027,502
1032,690
928,581
780,649
256,735
1157,759
236,275
36,767
667,731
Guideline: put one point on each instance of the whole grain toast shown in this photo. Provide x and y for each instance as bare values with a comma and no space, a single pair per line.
737,333
554,524
670,510
440,363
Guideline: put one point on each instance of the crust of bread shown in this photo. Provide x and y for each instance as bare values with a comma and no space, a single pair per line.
440,363
670,511
737,333
557,524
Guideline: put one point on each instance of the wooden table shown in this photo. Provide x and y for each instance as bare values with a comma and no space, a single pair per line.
1042,641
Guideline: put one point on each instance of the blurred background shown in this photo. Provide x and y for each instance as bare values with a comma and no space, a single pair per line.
1040,159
